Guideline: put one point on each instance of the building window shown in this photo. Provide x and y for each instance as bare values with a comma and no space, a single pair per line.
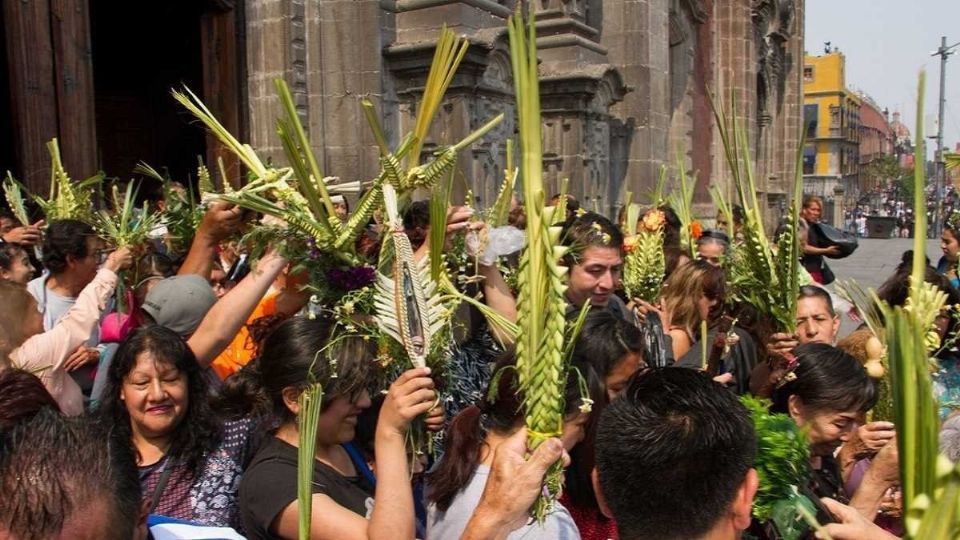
809,159
807,73
835,120
810,119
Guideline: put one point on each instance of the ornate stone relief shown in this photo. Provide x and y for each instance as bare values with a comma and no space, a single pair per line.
773,22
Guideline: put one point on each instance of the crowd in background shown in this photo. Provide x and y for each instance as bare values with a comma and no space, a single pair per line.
142,389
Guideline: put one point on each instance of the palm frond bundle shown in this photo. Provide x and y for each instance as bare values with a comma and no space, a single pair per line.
759,276
682,203
181,213
13,192
307,421
121,226
500,212
541,304
930,483
67,200
644,263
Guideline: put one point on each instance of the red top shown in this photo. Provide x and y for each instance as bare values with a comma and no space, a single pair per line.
593,525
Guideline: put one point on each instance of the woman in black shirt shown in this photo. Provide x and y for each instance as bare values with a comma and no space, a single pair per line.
298,351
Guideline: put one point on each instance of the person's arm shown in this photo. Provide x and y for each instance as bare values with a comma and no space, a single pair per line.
294,294
851,525
513,485
809,249
882,474
499,297
219,222
50,350
410,396
225,318
681,342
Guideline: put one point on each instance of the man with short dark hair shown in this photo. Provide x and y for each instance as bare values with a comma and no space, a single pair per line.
69,480
595,263
674,458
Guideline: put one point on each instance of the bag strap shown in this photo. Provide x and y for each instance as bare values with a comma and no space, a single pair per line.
161,483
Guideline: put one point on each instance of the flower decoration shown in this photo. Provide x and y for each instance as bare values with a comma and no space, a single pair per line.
696,230
586,405
653,220
351,279
629,242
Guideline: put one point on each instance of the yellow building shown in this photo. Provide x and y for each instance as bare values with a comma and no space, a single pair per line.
831,160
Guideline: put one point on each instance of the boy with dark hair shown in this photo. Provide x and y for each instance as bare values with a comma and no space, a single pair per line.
674,458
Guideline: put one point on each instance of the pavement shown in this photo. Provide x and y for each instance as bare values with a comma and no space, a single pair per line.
873,262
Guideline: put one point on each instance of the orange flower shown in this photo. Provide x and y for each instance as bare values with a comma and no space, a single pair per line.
629,243
695,230
653,220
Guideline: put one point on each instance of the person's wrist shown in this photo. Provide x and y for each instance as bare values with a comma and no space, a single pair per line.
388,432
487,524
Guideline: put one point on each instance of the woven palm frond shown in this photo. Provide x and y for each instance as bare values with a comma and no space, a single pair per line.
68,200
13,192
541,302
409,308
769,281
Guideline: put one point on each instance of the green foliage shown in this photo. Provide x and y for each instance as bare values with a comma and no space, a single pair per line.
783,457
759,276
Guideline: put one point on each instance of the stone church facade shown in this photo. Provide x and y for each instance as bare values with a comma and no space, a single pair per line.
625,85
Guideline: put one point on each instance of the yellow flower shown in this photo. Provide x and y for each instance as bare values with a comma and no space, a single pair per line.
629,243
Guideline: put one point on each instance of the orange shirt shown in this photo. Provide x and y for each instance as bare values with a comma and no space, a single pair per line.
240,351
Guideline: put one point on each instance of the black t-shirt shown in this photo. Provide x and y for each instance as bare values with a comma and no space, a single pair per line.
270,484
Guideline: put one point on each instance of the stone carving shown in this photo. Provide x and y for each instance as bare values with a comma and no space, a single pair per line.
772,26
684,14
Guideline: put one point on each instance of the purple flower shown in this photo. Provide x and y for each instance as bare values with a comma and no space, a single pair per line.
349,279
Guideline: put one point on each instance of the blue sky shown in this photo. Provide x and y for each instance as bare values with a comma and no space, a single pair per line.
886,43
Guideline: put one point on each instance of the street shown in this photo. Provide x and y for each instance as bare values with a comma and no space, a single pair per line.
873,262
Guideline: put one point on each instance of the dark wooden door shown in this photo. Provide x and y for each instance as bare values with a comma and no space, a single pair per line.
50,86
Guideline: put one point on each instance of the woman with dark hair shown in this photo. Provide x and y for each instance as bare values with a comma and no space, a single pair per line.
608,352
826,392
950,245
156,400
300,352
712,247
455,485
894,291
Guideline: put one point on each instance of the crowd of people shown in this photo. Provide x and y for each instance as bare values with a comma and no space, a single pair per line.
144,391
